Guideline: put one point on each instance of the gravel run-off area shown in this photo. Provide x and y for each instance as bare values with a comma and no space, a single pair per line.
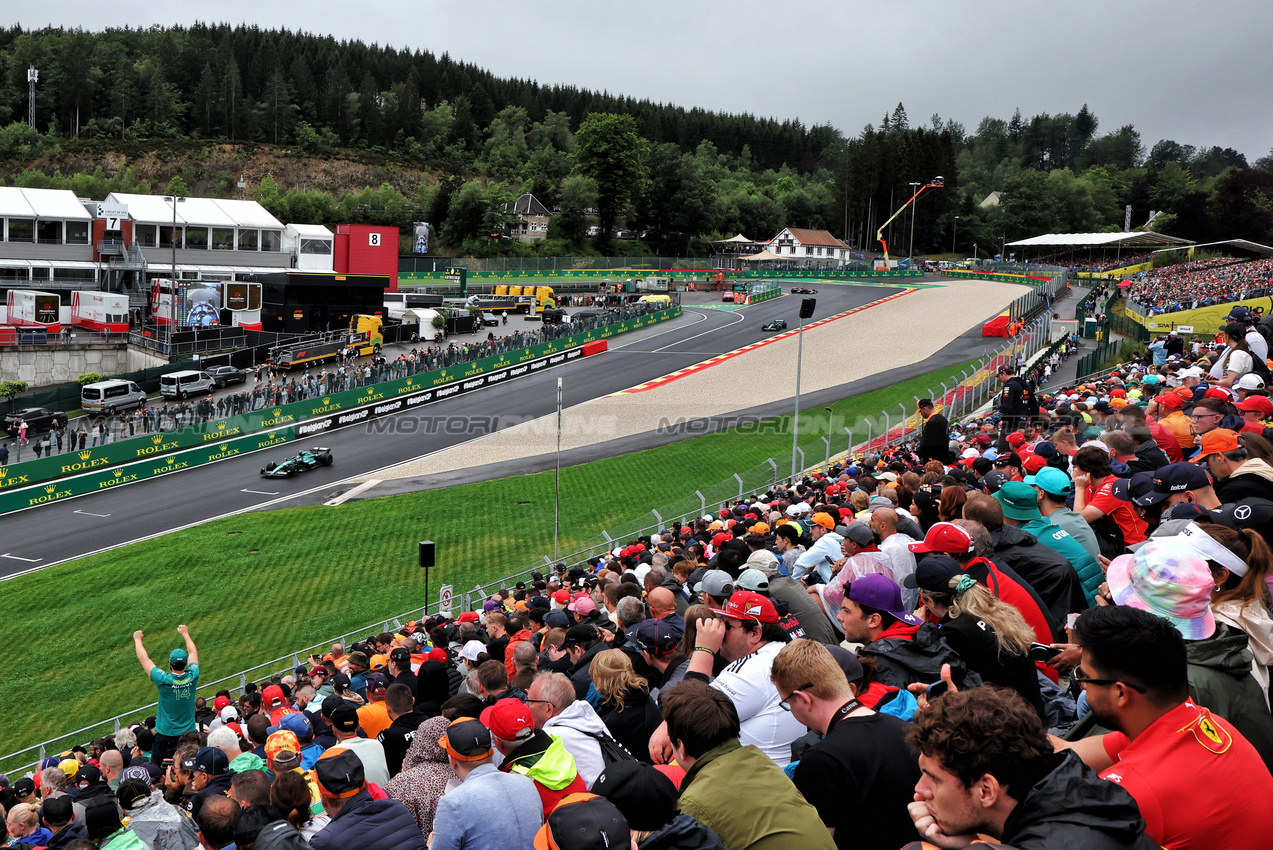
894,333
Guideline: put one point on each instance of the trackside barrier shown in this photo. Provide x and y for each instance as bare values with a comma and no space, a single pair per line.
32,472
974,388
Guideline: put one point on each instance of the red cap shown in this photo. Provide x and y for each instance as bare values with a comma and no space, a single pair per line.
1170,401
1260,404
1218,392
271,696
946,537
220,703
508,719
719,538
1015,439
1034,463
436,655
467,617
746,605
561,596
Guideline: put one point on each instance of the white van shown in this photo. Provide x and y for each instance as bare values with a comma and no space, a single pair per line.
111,396
185,383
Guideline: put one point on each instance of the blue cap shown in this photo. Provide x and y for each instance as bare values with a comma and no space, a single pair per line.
296,723
1051,480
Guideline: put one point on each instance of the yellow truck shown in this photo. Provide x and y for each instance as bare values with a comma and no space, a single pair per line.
543,297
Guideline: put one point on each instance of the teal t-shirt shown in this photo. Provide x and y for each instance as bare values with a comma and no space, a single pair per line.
176,700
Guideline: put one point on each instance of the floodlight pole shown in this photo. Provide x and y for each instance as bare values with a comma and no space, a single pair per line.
557,484
910,253
795,431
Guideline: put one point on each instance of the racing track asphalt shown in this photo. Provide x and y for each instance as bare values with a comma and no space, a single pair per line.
45,536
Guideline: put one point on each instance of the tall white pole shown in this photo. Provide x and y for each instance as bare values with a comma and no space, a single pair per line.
557,485
795,430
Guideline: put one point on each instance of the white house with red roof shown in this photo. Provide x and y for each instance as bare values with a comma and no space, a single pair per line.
808,246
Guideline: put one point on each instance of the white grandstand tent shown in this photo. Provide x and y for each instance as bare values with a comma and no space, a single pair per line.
1100,240
1241,244
764,256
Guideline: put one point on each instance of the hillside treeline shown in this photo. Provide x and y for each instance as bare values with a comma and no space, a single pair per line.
679,175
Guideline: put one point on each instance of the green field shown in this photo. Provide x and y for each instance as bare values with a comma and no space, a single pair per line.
259,585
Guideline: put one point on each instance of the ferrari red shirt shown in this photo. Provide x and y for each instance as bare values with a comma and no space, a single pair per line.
1197,781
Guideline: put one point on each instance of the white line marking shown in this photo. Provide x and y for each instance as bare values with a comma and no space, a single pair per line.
261,492
86,513
16,558
344,497
738,317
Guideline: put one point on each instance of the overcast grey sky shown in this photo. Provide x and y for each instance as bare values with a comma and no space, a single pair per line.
1194,72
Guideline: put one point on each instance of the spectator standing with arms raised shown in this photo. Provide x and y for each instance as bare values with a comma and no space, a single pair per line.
175,715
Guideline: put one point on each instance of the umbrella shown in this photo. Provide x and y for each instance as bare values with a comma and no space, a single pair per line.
1124,284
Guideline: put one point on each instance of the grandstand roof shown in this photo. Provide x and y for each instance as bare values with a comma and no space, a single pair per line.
1127,240
41,203
1253,247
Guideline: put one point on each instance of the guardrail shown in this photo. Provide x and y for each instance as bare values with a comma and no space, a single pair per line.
763,477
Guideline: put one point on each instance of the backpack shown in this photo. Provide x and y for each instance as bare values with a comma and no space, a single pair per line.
1109,537
611,750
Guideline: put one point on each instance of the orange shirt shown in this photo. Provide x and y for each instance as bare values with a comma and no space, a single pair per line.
374,718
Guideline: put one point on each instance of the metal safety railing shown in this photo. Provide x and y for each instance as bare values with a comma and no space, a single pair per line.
959,397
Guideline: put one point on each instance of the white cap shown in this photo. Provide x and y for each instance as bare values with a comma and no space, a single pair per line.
1250,381
472,649
229,714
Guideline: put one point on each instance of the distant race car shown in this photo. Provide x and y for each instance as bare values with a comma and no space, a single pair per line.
776,325
303,461
727,295
803,290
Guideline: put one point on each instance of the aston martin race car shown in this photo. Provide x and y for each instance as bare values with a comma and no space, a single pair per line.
303,461
803,290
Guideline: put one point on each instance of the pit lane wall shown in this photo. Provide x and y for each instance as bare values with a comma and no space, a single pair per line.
92,470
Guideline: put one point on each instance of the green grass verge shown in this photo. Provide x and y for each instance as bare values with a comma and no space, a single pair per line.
256,586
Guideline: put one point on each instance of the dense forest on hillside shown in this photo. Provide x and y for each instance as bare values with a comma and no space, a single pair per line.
322,130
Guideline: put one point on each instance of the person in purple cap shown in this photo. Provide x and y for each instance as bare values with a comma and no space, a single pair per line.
905,648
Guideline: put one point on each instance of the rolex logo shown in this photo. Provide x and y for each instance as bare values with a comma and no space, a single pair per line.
409,381
278,411
52,488
223,447
119,472
327,400
85,455
169,459
221,425
4,470
157,440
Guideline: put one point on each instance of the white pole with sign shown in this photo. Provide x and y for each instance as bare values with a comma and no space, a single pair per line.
445,599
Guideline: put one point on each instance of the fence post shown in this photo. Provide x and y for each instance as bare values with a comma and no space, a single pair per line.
739,479
888,426
902,405
826,464
774,479
800,454
868,436
657,517
702,502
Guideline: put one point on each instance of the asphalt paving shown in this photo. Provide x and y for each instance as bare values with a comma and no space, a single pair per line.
102,521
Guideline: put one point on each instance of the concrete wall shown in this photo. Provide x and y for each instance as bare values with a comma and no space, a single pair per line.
47,365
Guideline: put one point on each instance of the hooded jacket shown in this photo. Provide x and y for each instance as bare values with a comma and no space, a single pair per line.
1047,571
161,824
575,728
578,671
1072,807
279,835
370,825
683,833
1253,479
426,771
632,721
1149,457
916,657
1220,679
1254,620
547,761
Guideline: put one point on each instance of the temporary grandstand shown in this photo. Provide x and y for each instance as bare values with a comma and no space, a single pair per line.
1097,251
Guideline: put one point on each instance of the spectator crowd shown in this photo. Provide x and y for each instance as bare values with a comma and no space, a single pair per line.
1045,627
1201,283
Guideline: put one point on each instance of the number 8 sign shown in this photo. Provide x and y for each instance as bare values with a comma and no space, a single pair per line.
373,239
